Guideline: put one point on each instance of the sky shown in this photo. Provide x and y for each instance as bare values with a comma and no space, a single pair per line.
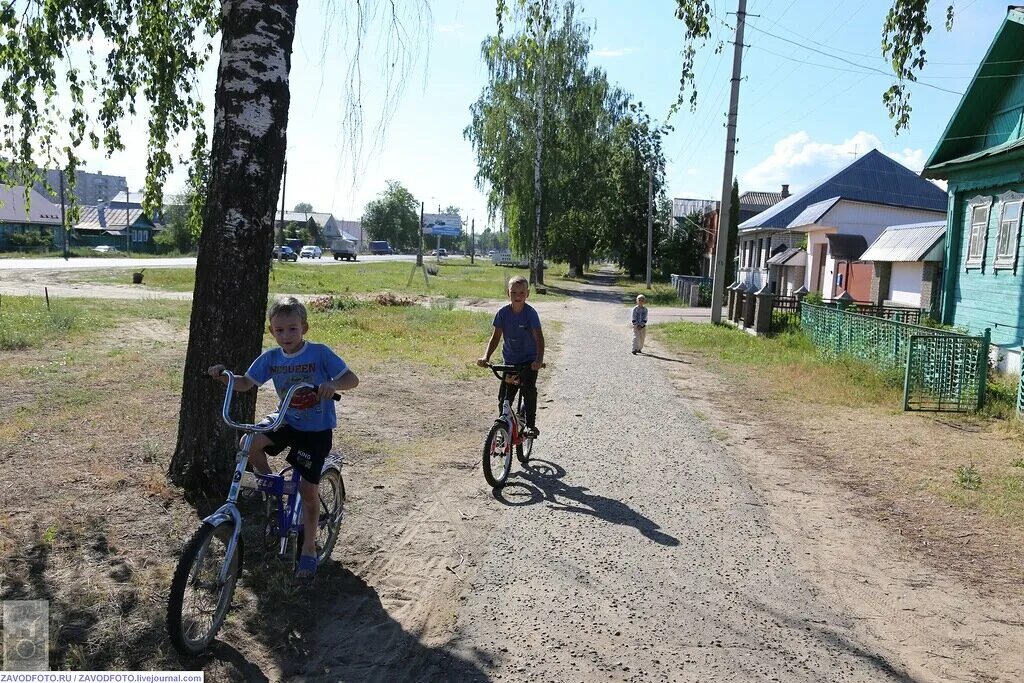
810,98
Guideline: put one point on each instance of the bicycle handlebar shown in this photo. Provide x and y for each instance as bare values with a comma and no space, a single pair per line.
496,368
284,403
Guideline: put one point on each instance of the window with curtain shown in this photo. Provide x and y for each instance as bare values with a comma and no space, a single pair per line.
1009,232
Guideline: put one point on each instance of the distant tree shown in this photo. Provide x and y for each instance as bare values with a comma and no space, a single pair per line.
303,207
734,235
682,248
393,216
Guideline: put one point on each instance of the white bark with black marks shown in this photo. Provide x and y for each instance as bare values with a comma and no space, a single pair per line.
230,298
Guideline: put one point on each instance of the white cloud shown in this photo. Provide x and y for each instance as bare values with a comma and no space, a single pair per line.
450,28
612,52
799,161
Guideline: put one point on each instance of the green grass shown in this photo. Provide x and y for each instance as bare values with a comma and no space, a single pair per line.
26,322
790,361
1000,494
456,278
85,252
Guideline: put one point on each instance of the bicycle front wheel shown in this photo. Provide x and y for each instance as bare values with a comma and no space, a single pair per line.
331,500
497,455
199,600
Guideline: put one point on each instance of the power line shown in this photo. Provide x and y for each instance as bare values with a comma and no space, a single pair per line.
847,61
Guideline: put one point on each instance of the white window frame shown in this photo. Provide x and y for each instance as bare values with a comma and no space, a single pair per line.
976,257
1008,232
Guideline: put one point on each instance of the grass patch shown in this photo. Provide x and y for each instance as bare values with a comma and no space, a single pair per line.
789,361
26,322
967,477
1001,396
455,278
660,293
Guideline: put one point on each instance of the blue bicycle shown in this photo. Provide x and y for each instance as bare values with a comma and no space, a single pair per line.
211,561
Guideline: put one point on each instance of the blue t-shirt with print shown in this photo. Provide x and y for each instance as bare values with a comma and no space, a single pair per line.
312,364
517,329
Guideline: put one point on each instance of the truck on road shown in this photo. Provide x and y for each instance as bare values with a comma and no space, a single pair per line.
343,249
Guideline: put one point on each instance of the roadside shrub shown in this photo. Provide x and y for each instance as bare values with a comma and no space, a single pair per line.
813,298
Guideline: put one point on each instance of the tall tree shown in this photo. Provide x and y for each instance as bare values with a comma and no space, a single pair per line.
393,216
572,118
152,53
733,239
303,207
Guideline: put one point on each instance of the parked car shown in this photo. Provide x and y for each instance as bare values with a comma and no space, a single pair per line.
311,251
439,252
286,254
379,247
343,249
104,249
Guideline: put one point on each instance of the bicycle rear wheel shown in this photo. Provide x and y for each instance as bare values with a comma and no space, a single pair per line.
331,497
199,600
497,455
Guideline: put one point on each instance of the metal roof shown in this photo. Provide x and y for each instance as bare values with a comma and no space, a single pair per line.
846,247
102,218
813,213
763,200
872,178
793,256
908,243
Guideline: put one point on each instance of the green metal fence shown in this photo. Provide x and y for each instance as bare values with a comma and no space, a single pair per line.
1020,388
944,371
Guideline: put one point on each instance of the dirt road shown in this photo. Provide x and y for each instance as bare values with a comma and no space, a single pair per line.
638,546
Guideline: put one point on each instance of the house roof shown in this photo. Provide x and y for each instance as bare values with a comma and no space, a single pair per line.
873,178
40,209
793,256
760,200
319,218
104,219
846,247
133,198
908,243
973,132
813,213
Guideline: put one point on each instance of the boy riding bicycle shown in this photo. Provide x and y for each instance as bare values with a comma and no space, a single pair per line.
519,325
310,420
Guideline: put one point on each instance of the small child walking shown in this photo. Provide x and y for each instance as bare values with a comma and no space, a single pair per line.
639,324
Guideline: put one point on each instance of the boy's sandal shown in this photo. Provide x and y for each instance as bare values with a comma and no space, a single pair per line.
306,571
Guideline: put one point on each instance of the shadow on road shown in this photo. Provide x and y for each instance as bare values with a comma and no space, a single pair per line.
665,358
544,481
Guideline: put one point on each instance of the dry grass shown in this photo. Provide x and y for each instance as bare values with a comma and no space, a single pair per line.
90,522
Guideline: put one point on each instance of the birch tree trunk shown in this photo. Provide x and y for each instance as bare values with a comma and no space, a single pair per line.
230,296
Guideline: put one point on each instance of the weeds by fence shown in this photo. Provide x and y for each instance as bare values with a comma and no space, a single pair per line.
944,371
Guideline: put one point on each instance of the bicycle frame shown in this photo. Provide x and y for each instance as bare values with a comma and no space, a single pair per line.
273,484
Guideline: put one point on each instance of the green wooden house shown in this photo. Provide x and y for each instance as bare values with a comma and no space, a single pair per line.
981,156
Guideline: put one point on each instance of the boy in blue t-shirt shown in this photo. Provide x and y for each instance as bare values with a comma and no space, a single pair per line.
519,325
309,420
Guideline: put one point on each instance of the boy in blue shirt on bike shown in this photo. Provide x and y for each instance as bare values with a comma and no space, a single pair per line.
519,325
310,419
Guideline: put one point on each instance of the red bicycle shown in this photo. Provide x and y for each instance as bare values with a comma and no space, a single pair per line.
506,433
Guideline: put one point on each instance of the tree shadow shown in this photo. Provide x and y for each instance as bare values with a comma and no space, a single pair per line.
608,297
547,479
832,637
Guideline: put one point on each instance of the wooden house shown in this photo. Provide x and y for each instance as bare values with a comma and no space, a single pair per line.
981,157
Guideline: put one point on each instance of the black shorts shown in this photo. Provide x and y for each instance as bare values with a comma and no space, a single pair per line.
308,449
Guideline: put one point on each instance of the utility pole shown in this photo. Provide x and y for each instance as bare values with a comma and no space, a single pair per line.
650,222
63,218
472,240
538,254
722,242
419,242
127,218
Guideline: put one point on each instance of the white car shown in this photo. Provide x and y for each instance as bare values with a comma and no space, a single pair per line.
104,249
311,251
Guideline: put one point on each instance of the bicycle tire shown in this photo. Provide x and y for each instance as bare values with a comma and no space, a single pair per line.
332,509
189,635
497,447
